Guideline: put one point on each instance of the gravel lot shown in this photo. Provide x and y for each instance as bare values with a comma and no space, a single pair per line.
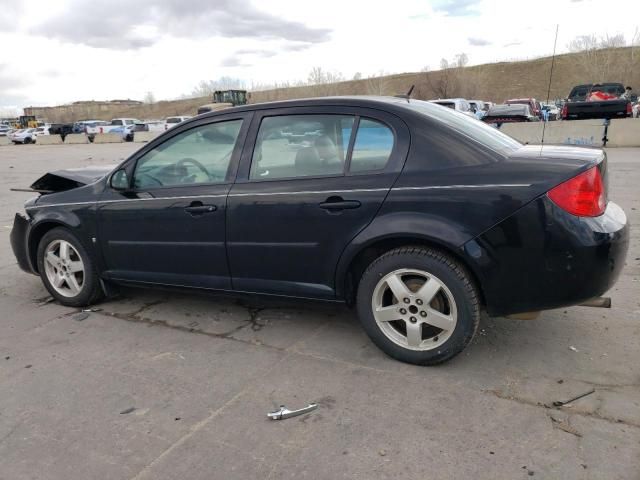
201,372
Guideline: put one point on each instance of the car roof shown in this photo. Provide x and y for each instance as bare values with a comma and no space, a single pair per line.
388,104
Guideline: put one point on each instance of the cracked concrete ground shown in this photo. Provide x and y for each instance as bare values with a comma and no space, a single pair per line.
200,373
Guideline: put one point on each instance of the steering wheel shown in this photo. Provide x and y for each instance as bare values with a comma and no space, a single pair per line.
194,162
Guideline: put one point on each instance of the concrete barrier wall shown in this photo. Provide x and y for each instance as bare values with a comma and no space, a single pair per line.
574,132
624,132
525,132
49,140
145,136
4,141
74,138
107,138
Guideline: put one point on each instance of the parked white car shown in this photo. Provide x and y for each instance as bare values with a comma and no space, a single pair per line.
5,130
457,104
155,125
554,111
25,135
170,122
124,126
40,131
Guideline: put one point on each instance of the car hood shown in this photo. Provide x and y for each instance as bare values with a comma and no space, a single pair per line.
61,180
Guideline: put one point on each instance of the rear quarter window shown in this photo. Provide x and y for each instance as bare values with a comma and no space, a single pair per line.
373,146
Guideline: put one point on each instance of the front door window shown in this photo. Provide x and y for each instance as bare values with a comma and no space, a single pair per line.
200,155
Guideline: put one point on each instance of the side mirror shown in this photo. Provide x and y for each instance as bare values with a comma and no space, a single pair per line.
120,180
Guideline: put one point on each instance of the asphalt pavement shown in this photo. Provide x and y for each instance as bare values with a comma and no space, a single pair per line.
166,385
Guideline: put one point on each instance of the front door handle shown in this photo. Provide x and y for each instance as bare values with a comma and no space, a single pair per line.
197,208
338,203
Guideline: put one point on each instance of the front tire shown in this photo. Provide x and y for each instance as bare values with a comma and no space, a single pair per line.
418,305
27,141
67,269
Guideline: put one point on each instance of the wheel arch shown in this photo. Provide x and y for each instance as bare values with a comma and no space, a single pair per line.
360,259
36,233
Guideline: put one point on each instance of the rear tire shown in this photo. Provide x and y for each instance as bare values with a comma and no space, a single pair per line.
67,269
27,141
418,305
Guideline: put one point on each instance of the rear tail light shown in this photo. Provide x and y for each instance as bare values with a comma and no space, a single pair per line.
583,195
565,111
629,109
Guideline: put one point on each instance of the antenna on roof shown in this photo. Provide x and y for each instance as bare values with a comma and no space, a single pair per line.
408,94
553,61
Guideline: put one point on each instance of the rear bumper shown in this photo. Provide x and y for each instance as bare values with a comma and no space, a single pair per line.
19,242
542,257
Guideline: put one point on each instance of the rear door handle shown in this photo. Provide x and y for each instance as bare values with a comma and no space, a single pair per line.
200,209
340,204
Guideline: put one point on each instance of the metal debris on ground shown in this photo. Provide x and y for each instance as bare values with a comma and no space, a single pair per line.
565,427
573,349
284,413
46,301
78,317
128,410
92,310
559,403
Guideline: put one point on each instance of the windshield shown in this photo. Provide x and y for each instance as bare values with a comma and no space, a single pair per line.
467,126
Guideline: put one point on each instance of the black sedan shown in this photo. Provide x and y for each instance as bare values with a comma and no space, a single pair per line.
420,216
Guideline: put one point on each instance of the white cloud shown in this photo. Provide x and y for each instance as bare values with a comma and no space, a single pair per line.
59,51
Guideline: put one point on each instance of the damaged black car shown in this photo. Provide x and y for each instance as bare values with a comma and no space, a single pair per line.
419,216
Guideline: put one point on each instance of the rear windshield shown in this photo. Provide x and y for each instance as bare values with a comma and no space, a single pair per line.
518,102
447,104
610,88
467,126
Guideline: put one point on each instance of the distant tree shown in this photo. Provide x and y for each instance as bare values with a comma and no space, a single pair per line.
149,98
446,82
378,84
357,76
594,58
316,76
323,82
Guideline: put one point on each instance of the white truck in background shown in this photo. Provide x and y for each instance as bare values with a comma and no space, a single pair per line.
124,126
170,122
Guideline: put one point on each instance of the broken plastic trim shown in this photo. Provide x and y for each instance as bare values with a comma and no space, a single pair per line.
61,180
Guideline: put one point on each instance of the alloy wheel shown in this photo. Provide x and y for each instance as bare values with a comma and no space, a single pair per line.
64,268
414,309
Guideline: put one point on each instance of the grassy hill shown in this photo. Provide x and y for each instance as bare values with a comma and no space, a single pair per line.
493,82
490,82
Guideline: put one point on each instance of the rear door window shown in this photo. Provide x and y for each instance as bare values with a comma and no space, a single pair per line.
373,146
293,146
